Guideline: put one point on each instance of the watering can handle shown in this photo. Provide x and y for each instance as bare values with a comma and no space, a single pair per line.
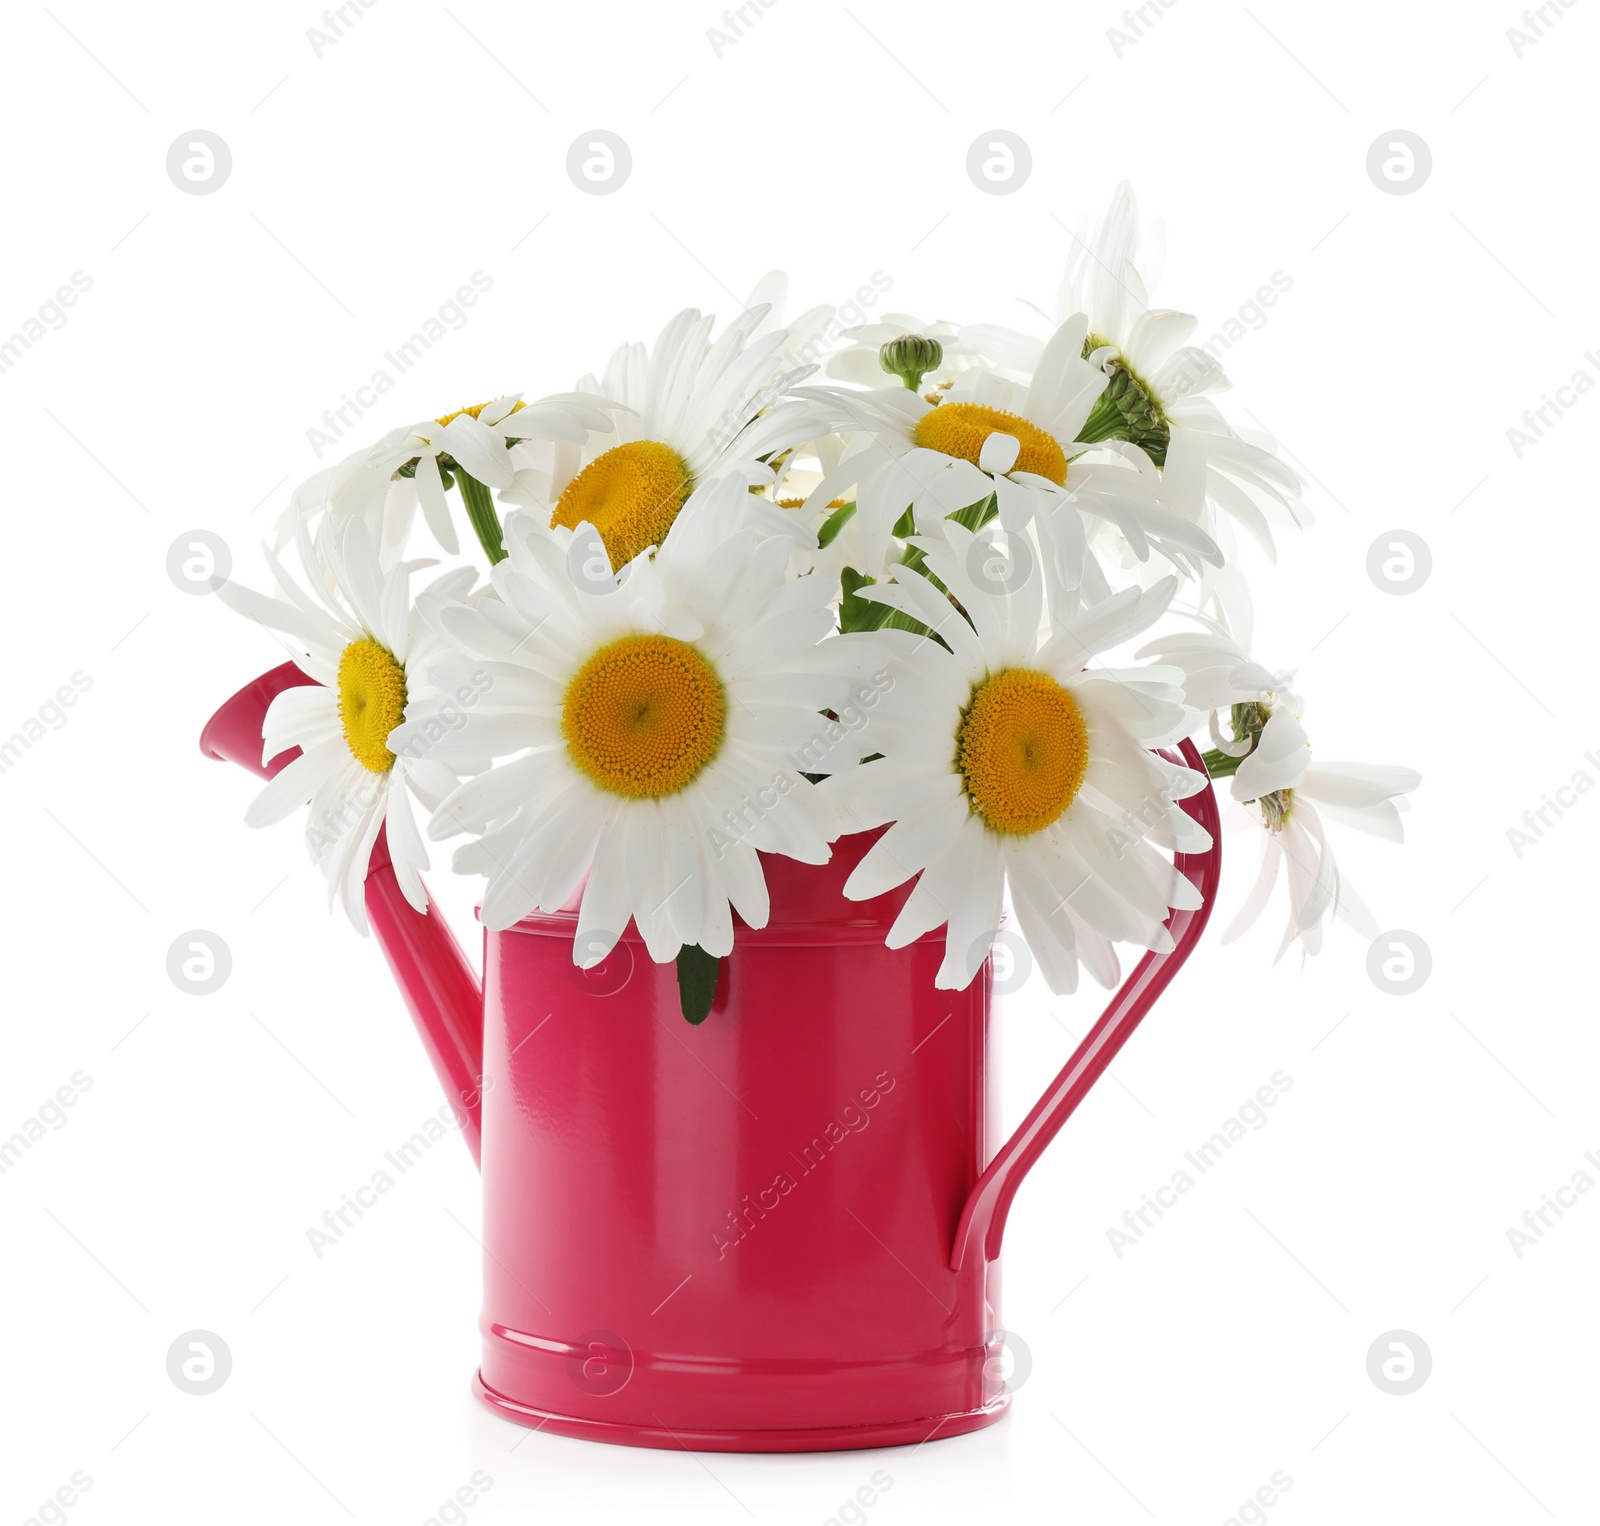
983,1220
440,986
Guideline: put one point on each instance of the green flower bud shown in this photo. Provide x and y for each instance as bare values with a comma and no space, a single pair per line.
910,357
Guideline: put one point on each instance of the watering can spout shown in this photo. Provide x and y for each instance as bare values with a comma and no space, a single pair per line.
439,985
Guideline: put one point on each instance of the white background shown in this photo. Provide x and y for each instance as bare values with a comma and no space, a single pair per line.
371,181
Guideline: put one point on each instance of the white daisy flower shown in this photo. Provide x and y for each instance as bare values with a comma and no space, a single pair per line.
360,637
1017,442
1218,672
349,490
807,338
688,411
1286,789
659,725
1159,392
385,484
474,443
817,543
1003,758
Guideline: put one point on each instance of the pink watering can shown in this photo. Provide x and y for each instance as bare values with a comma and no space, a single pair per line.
776,1231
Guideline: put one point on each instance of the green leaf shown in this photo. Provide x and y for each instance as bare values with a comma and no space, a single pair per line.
976,515
697,982
833,524
856,613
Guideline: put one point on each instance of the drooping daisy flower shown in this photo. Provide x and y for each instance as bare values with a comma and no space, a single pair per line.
652,730
360,637
1016,442
1287,791
477,441
384,484
1005,758
1159,392
689,411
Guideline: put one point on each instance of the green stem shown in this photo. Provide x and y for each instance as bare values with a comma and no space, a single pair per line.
479,503
1221,765
976,515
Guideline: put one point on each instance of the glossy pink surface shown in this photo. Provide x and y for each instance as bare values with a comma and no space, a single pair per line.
745,1225
774,1231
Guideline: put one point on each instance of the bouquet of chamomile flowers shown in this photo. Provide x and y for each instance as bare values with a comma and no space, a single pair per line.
739,595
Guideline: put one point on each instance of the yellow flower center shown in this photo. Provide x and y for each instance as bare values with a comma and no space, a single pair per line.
1022,749
372,702
473,412
643,716
630,494
959,429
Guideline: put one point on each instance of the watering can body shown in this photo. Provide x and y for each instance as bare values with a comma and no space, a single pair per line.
777,1230
736,1235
